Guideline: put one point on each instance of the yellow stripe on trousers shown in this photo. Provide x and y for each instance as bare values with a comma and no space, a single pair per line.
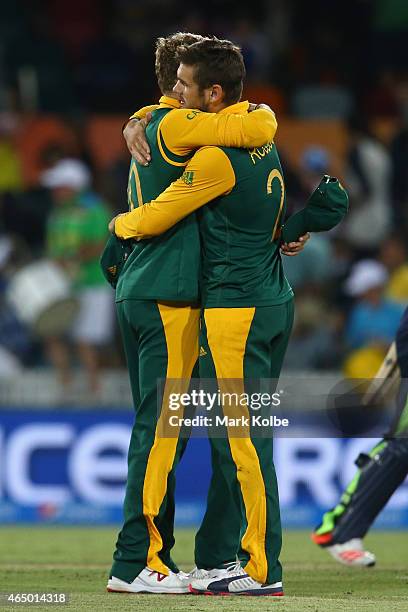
227,334
181,327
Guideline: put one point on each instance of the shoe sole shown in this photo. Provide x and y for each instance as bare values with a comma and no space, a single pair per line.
145,592
226,594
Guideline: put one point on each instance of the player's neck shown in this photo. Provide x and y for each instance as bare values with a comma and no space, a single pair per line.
171,94
216,107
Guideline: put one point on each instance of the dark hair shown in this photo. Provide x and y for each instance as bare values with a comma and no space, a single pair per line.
166,63
216,62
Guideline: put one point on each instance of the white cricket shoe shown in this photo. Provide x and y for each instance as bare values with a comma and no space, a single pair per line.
352,553
182,574
217,572
199,574
233,580
149,581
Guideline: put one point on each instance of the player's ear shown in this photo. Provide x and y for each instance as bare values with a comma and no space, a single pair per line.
217,93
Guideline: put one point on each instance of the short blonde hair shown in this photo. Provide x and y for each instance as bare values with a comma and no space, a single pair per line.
167,62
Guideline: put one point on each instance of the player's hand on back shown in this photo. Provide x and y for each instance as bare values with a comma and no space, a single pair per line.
135,137
253,106
111,226
294,248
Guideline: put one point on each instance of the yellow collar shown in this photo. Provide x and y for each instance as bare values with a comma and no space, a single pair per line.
166,101
240,108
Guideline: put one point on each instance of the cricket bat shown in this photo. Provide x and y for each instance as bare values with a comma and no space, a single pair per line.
384,385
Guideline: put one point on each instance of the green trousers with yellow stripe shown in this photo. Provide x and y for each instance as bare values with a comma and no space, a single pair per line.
243,343
160,341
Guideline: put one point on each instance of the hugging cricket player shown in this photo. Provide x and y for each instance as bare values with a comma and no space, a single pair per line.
157,303
247,312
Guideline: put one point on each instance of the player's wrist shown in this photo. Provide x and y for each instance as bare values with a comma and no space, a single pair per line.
129,122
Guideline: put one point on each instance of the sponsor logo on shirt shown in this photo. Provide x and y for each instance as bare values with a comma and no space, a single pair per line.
193,114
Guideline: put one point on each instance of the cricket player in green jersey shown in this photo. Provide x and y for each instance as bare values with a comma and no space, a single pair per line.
380,472
247,308
157,304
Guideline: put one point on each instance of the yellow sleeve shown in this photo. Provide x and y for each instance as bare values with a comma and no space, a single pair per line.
208,175
142,112
183,130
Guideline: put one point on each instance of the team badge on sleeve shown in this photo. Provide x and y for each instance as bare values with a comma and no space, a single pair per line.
187,178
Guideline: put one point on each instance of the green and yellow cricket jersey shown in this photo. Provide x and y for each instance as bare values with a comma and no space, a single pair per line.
166,267
241,263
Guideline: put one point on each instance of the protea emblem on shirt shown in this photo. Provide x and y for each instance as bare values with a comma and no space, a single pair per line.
187,178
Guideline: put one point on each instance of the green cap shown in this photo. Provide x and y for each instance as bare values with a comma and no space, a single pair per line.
325,208
113,258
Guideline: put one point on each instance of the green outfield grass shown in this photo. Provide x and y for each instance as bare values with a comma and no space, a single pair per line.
76,560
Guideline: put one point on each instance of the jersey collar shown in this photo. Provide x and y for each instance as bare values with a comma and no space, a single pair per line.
240,108
166,101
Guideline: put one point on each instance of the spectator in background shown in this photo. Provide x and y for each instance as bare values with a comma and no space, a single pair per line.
113,182
372,321
314,344
76,234
302,180
393,254
382,100
323,97
312,266
314,163
10,169
399,157
14,337
368,176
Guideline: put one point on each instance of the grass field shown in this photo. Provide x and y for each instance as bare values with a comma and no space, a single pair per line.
76,560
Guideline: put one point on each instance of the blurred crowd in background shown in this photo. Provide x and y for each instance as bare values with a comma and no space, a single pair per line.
343,62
